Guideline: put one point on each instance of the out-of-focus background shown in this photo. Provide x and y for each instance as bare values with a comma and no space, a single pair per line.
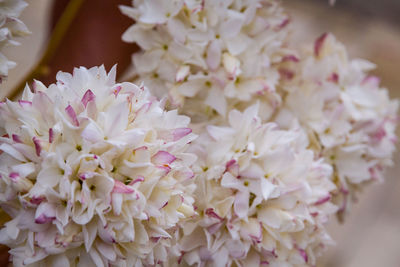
370,29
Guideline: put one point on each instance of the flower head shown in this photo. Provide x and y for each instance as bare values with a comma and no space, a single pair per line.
261,196
350,120
209,56
92,172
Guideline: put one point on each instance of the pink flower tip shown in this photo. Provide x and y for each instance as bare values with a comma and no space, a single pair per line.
319,44
303,254
14,176
178,133
87,97
16,138
51,135
323,200
137,180
121,188
38,147
291,58
72,115
42,219
163,158
117,90
24,103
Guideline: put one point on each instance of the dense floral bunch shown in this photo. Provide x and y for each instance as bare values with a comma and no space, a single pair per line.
10,27
217,58
261,196
93,173
209,56
351,122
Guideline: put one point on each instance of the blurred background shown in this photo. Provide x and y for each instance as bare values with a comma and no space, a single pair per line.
370,29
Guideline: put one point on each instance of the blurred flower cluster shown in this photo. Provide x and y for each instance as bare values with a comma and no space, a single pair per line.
274,142
10,27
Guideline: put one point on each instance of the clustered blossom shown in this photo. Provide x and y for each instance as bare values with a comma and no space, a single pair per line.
214,59
10,27
209,56
350,120
261,196
93,173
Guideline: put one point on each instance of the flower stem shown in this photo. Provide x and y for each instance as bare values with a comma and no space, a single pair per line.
41,68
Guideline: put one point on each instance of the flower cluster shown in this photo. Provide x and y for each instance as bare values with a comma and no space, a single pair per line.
214,59
93,173
350,120
10,27
261,196
209,56
98,173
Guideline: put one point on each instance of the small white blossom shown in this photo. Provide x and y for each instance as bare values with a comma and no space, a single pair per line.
93,173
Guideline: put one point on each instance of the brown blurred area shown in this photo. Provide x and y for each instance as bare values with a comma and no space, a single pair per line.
93,39
370,29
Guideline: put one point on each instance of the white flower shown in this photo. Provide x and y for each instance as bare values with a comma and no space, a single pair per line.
261,197
351,122
209,56
10,27
93,173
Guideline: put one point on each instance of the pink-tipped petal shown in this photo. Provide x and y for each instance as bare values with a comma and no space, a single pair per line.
233,167
16,138
188,175
290,58
165,169
120,187
303,254
323,200
372,80
72,115
141,148
178,133
45,213
86,175
212,229
117,90
24,103
379,134
51,135
87,97
284,23
319,44
286,74
137,180
163,158
37,200
38,147
333,78
42,219
211,213
14,176
144,108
